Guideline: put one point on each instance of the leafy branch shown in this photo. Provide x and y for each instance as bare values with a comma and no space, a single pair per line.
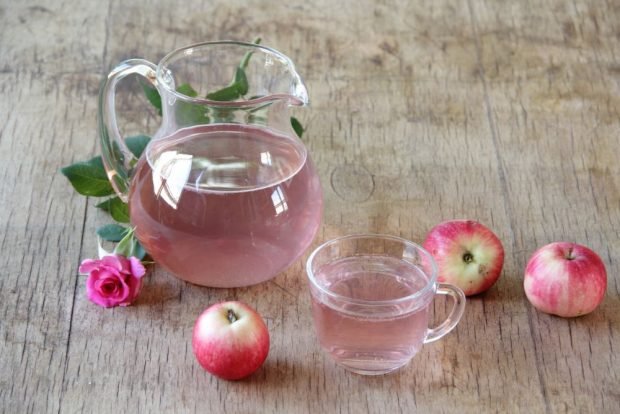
236,89
89,178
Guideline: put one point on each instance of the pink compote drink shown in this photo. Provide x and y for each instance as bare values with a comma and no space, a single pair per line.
225,205
362,331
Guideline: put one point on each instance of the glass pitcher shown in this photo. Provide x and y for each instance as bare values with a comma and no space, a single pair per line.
225,193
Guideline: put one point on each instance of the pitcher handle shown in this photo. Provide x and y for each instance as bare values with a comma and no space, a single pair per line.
117,158
453,318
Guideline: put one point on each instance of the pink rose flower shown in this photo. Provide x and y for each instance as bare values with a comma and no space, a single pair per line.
114,280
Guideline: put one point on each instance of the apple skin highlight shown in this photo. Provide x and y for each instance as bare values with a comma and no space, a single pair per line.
230,340
565,279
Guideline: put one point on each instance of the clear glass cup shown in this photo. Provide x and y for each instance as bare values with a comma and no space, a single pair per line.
371,296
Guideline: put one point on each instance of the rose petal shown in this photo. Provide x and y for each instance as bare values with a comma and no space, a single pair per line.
122,290
113,280
89,265
126,265
135,284
113,261
93,294
137,268
107,288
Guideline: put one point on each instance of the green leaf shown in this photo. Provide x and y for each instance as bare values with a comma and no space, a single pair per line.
246,58
139,251
89,178
137,144
299,129
222,115
239,85
186,89
190,114
241,81
228,93
112,232
116,208
126,245
130,246
152,95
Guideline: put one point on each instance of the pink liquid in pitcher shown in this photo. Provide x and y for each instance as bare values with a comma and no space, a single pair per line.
225,205
366,338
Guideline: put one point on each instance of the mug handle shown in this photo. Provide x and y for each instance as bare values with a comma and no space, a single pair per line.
453,318
118,160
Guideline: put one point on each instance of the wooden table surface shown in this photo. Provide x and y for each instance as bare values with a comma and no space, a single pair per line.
507,112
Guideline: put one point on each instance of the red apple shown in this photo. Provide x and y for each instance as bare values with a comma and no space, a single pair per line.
230,340
565,279
468,254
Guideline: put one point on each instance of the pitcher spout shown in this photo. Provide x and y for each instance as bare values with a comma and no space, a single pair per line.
299,97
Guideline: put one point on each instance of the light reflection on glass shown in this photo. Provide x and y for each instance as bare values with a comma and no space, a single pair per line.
265,158
228,173
170,173
279,201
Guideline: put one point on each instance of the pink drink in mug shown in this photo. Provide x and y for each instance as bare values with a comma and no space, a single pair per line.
370,300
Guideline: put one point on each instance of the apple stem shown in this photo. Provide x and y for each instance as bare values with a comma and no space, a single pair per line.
569,254
232,317
468,257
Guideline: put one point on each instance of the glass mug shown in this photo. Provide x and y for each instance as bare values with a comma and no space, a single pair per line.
225,193
370,301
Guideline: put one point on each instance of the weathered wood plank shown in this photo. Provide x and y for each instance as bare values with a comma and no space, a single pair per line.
505,112
48,89
551,85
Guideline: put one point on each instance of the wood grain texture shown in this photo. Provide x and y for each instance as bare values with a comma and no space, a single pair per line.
552,90
504,112
46,101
